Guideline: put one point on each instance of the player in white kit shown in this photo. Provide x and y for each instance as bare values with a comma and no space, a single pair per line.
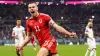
90,39
19,34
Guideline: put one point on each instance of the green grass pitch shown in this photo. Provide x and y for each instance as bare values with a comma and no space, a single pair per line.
63,50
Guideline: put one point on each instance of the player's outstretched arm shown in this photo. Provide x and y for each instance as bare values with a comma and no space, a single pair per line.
24,34
62,30
26,41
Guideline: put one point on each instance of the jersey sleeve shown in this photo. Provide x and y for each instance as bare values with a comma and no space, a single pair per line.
28,28
13,31
23,28
49,20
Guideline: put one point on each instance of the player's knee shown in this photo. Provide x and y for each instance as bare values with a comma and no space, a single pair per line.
43,52
39,54
89,49
94,49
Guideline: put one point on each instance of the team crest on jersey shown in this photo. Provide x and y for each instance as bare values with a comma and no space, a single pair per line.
40,21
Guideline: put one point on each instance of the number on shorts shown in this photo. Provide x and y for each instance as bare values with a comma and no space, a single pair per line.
48,44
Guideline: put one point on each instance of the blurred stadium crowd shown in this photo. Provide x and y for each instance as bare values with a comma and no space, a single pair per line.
71,17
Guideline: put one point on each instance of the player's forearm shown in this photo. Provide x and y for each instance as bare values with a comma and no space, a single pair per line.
24,34
26,41
62,30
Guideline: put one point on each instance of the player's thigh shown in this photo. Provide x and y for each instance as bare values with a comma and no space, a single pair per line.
19,44
55,55
16,47
92,47
43,52
89,43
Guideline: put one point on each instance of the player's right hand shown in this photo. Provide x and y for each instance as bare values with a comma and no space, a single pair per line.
73,35
16,37
19,48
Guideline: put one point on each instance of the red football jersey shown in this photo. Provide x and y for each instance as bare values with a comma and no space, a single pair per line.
40,27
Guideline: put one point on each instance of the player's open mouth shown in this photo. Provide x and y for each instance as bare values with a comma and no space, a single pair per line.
32,12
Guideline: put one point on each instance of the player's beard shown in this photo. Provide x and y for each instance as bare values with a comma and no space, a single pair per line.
90,26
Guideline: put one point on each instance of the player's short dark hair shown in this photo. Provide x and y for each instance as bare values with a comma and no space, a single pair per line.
32,2
19,18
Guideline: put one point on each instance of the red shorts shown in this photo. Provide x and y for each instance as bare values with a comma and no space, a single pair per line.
51,46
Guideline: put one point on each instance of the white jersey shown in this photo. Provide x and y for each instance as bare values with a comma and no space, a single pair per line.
89,32
19,32
90,40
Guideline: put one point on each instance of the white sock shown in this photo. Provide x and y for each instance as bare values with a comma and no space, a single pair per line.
86,54
93,52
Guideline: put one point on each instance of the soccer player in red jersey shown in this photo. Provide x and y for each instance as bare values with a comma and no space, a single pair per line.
40,23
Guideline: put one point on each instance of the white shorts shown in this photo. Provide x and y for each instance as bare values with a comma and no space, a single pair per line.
91,43
18,42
